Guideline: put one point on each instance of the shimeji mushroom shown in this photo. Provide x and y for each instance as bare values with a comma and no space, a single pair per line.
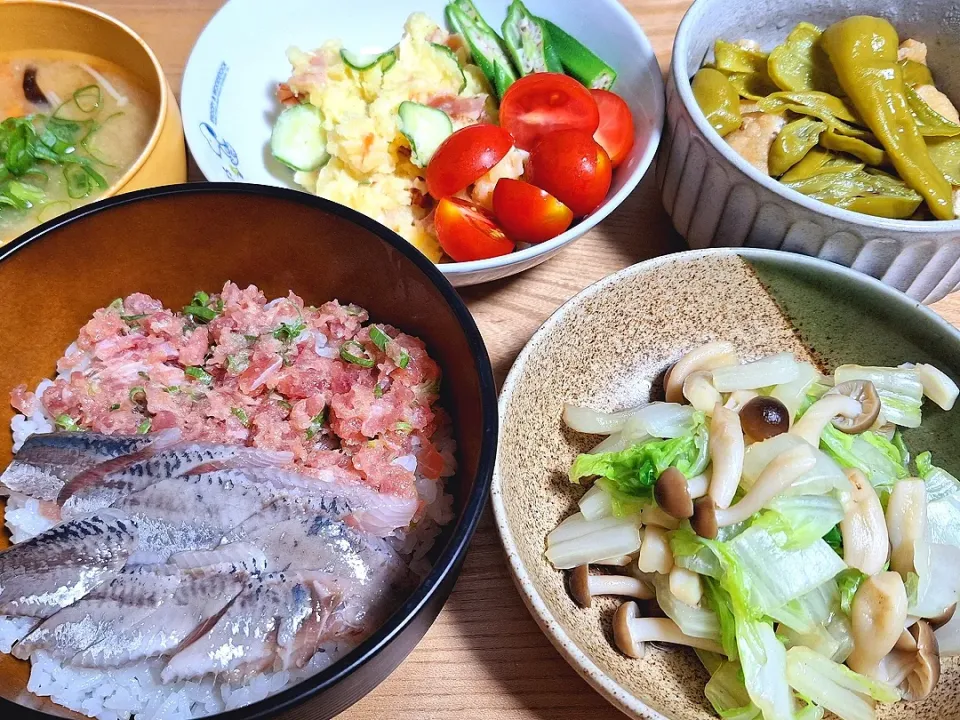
699,391
584,586
726,448
877,617
706,357
738,398
630,632
811,425
764,417
675,494
866,542
777,476
907,527
914,669
865,393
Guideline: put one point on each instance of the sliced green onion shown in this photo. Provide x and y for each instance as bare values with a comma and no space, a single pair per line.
142,374
65,422
116,304
55,209
115,406
349,350
172,389
404,427
404,359
289,331
316,424
78,182
88,98
133,318
377,391
137,394
85,142
200,298
240,415
200,313
284,404
379,337
251,338
198,373
144,427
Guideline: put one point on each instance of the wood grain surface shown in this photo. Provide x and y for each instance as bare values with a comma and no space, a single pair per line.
485,657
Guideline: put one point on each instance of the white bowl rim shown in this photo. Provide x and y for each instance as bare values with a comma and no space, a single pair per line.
611,203
614,692
681,79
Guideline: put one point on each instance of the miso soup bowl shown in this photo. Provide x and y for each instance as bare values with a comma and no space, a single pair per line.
54,25
718,199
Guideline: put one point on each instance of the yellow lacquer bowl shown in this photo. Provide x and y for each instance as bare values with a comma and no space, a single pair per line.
54,25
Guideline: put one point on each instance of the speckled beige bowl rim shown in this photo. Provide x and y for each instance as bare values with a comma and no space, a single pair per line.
614,692
681,75
161,114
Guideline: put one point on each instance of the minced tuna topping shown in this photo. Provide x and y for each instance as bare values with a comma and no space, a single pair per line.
346,397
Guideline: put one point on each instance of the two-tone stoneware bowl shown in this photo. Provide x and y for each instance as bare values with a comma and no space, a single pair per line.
718,199
608,347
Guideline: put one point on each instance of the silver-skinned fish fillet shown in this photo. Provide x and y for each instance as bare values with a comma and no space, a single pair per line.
47,461
58,567
104,484
276,622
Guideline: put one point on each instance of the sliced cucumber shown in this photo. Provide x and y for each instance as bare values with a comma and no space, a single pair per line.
449,57
366,61
299,140
425,128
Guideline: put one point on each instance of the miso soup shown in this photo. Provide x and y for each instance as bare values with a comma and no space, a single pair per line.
71,125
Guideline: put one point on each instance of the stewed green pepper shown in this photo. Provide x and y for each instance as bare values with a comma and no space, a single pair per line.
718,100
863,52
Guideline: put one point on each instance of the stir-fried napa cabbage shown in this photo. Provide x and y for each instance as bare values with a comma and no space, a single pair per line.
800,573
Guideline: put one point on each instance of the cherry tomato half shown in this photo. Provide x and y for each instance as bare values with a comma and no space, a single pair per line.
544,102
615,133
570,165
465,156
527,213
467,232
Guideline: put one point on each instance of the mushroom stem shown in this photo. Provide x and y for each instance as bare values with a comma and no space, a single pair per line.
630,632
907,526
738,398
726,446
584,586
698,485
811,426
699,391
863,528
877,618
706,357
776,477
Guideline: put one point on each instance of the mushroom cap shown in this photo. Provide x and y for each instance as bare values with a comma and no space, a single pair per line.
764,417
672,495
864,392
579,584
623,630
943,618
704,519
926,670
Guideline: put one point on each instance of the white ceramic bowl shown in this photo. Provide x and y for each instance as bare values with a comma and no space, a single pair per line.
718,199
229,106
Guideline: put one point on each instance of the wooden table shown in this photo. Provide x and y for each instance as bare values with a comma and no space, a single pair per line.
485,657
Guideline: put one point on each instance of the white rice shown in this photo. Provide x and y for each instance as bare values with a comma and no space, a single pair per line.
136,690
